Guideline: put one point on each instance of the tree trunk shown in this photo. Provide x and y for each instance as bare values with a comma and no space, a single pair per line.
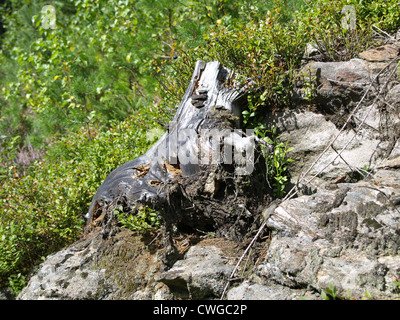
203,174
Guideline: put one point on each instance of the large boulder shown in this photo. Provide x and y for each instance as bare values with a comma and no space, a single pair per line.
346,235
383,53
120,267
354,111
202,274
270,291
125,266
309,133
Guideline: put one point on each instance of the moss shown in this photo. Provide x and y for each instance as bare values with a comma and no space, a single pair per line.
372,223
129,264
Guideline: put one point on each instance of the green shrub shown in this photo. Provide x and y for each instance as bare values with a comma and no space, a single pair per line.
95,66
43,211
385,14
144,220
263,53
277,161
337,41
268,48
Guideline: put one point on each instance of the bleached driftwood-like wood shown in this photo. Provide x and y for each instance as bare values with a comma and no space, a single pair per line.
174,175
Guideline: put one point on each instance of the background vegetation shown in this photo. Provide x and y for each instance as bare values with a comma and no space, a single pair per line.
76,101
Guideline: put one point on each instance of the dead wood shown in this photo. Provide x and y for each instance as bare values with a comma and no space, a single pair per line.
202,174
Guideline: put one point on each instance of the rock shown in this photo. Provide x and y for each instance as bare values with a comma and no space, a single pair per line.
310,130
310,51
253,291
390,164
347,236
121,267
162,292
65,275
383,53
397,35
340,84
202,274
341,230
211,185
393,98
145,294
6,294
309,133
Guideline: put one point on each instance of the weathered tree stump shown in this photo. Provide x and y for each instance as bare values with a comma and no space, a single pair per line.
203,174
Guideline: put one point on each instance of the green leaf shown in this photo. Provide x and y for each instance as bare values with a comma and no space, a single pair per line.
268,140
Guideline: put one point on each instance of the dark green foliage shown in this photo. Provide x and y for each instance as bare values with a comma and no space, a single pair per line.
145,219
43,210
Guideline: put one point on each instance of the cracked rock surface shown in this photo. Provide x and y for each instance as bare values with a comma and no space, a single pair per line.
347,235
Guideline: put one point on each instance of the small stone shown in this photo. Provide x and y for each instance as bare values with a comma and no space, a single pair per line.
311,50
382,53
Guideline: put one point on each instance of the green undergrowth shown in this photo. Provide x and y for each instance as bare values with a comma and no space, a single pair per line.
43,210
267,50
144,220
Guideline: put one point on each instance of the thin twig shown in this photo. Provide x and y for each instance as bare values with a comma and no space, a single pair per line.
245,265
293,191
350,166
357,131
242,257
347,82
158,234
385,33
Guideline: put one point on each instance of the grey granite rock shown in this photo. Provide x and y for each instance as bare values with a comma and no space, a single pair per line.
347,236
